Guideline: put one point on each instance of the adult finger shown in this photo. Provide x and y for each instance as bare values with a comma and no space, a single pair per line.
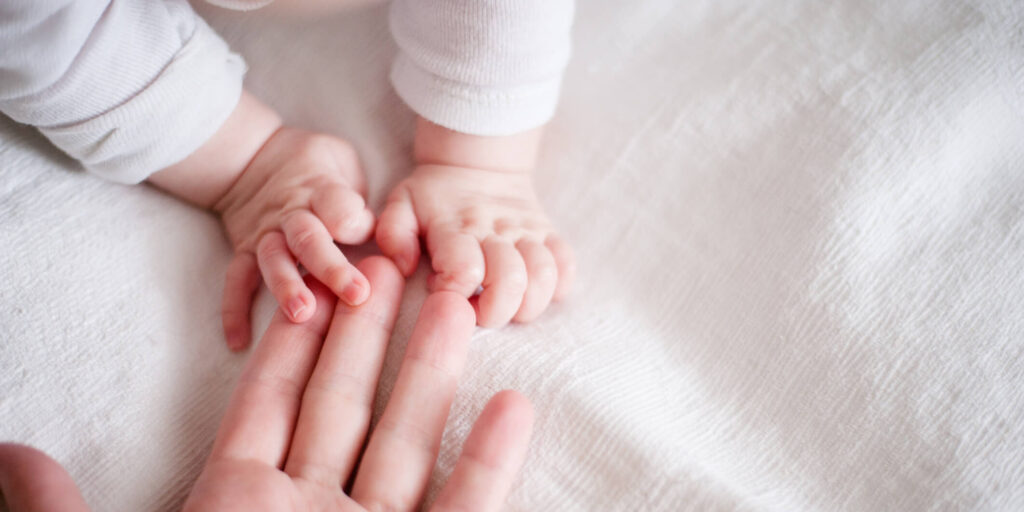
260,418
338,401
403,447
491,457
504,283
31,481
344,213
283,278
398,232
310,242
240,283
457,260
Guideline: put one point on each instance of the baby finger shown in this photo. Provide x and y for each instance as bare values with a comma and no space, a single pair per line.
457,260
343,212
543,274
313,246
283,278
566,263
504,283
241,282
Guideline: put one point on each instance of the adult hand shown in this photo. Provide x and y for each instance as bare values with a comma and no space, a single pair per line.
295,428
296,424
30,481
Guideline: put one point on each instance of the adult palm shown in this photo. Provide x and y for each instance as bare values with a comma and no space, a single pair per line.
296,424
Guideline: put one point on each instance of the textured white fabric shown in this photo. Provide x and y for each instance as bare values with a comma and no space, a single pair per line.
241,5
125,87
800,231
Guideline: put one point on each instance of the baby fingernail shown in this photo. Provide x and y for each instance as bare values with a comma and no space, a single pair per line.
354,293
296,306
408,265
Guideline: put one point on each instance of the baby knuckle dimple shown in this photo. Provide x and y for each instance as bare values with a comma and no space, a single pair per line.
472,224
508,229
473,211
474,218
504,225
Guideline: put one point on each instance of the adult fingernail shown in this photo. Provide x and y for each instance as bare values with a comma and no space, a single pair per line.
295,306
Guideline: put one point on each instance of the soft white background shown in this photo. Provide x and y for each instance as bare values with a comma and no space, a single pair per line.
800,228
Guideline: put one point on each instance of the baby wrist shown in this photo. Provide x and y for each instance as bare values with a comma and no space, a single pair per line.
205,176
437,145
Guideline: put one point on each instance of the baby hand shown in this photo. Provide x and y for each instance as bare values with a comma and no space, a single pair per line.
482,223
300,194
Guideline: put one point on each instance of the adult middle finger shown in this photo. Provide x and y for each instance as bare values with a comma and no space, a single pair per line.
403,447
338,400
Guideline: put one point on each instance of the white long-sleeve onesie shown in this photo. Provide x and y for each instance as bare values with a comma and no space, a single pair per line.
129,87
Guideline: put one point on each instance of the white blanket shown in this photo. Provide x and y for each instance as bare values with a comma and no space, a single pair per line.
800,227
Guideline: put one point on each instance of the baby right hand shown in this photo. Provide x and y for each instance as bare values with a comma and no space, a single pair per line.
301,193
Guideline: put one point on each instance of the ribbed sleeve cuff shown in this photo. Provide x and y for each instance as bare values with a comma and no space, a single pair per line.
172,117
240,5
470,109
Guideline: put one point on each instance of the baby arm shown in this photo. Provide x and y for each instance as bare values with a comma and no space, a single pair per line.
472,199
484,78
166,104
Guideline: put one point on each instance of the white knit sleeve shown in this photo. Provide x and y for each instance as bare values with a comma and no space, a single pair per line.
484,67
127,87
